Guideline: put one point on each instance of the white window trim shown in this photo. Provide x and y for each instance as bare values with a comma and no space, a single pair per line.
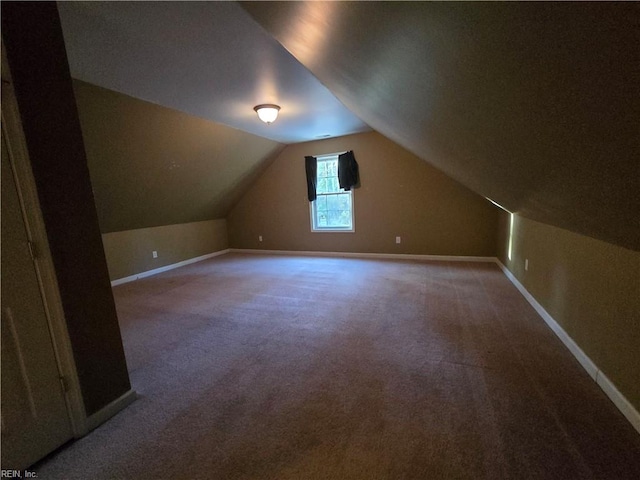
315,229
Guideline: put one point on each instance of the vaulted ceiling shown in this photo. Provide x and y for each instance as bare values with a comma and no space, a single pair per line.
533,105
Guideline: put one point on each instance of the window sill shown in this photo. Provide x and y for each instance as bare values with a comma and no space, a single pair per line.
333,230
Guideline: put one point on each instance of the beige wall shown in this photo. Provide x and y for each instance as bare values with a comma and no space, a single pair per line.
400,195
591,288
130,252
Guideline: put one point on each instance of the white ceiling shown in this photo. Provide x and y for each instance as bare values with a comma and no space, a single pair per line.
207,59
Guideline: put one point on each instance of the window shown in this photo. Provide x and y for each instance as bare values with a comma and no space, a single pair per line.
332,210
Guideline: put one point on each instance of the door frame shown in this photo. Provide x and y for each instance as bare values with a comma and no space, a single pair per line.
43,261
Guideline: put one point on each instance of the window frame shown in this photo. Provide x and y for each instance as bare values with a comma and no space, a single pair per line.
312,205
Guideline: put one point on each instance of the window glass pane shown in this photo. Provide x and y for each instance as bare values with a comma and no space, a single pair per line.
321,187
344,201
332,202
322,169
321,203
332,169
333,218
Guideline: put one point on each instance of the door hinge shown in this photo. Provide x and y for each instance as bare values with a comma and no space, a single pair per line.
64,384
33,251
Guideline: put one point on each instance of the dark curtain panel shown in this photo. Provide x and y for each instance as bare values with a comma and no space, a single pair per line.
348,170
311,167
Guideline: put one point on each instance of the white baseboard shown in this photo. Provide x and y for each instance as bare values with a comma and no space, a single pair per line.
591,368
155,271
110,410
619,400
389,256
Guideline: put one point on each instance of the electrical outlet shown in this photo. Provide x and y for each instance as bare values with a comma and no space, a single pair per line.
398,239
155,254
259,238
526,264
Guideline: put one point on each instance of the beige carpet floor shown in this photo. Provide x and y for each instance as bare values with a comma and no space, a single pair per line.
275,367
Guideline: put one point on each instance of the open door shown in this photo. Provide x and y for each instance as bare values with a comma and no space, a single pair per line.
34,412
40,406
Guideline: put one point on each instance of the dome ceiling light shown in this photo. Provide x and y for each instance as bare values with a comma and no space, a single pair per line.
267,112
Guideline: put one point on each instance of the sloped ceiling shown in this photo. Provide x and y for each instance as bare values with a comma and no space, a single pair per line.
533,105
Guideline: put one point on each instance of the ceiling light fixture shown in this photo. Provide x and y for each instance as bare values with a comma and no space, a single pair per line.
267,112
